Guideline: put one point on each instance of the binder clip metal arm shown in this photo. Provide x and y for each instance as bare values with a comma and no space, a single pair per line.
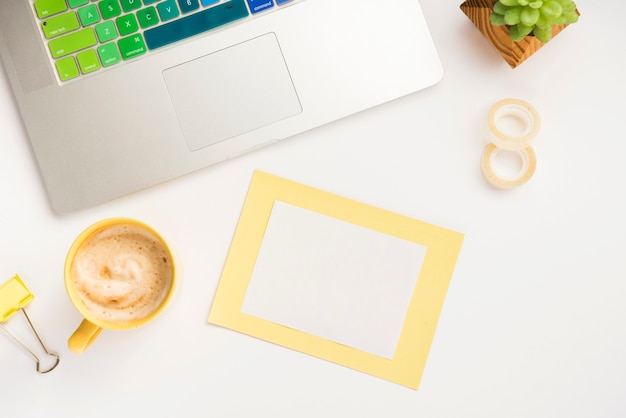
14,296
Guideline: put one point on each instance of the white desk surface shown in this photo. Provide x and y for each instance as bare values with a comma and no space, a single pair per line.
534,320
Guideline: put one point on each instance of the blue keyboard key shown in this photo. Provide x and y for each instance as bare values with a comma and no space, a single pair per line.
195,24
209,2
187,6
257,6
168,10
279,2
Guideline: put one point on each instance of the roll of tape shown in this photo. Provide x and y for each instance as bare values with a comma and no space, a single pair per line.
520,110
529,164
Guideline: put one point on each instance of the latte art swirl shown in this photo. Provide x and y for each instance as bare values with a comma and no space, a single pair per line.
122,273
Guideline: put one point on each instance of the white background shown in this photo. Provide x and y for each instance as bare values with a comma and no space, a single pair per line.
534,321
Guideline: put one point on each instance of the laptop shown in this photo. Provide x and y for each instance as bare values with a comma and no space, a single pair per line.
120,95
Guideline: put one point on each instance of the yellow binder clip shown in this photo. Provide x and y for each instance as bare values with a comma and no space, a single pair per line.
14,296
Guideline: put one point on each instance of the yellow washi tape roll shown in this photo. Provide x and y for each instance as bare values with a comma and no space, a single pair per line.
520,110
529,164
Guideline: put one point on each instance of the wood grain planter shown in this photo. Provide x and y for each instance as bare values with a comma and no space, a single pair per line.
514,53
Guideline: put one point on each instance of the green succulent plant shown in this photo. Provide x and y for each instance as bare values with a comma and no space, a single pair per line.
533,17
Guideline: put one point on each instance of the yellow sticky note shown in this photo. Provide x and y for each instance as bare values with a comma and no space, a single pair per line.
335,278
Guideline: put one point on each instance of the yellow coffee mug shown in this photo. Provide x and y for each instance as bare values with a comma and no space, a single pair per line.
92,325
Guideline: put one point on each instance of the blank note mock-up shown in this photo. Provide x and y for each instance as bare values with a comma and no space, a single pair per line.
336,279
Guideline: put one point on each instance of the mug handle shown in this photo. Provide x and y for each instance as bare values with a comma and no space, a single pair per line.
85,334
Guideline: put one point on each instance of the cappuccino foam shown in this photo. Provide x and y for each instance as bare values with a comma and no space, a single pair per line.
122,273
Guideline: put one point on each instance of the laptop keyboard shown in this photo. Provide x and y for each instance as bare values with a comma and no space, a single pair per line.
85,36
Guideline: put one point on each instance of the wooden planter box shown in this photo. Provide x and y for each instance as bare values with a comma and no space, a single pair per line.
514,53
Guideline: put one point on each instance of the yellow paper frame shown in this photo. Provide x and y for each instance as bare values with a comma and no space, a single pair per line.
443,246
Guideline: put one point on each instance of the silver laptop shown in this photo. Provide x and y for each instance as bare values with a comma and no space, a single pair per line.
119,95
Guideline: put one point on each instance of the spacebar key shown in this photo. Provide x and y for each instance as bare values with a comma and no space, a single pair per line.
195,24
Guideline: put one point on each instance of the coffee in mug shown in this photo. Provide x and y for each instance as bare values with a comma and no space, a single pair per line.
119,274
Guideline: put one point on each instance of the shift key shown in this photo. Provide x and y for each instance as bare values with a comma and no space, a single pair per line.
73,42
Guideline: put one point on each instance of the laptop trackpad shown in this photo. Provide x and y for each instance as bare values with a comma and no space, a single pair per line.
232,91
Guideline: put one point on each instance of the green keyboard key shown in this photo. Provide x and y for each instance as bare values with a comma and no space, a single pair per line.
110,8
132,46
77,3
88,61
89,15
147,17
58,25
106,31
45,8
73,42
109,54
130,5
127,24
67,68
